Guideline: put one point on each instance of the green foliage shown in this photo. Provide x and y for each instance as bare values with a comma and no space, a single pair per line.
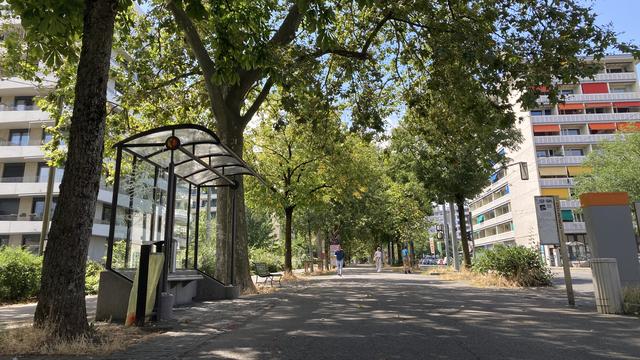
92,277
19,274
520,264
207,247
260,228
615,167
631,298
274,260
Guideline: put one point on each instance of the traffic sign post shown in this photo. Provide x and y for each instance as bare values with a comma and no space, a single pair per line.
551,232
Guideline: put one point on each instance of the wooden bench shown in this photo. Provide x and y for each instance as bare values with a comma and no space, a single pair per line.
262,271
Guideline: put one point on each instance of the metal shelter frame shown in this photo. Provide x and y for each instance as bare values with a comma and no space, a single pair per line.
188,152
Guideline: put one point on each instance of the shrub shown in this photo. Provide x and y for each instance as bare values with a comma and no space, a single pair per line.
92,277
19,274
520,264
274,260
631,296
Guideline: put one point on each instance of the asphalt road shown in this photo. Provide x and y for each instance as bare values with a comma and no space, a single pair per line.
365,315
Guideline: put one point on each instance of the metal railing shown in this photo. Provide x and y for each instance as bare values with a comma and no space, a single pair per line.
585,118
595,97
29,179
29,142
556,182
18,108
561,160
573,139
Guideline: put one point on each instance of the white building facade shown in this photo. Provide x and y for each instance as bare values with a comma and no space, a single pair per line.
557,138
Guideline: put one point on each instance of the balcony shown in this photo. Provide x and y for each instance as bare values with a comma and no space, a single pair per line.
544,99
563,182
11,116
569,204
505,236
493,222
625,76
561,160
574,227
572,139
585,118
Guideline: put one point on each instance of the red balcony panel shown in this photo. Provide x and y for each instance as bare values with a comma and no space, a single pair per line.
602,126
546,128
595,88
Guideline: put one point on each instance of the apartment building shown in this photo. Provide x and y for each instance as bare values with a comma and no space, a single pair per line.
24,175
557,138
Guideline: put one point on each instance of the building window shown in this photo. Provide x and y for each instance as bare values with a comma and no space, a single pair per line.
43,173
13,172
566,92
37,207
4,240
23,102
31,242
46,136
540,112
106,213
19,137
570,131
9,209
574,152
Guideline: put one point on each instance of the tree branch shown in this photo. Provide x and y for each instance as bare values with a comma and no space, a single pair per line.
176,79
258,101
362,54
196,45
283,36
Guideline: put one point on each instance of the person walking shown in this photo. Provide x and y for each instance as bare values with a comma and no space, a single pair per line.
406,264
339,260
377,258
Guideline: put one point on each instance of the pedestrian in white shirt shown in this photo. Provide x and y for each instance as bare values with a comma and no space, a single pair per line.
377,257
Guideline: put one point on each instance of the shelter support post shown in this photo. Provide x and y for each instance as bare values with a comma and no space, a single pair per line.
197,230
114,204
233,233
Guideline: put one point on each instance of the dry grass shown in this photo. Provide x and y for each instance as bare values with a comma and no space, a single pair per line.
475,279
104,339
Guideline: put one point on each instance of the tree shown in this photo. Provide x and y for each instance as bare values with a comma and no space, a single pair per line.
55,27
243,48
615,166
450,139
293,157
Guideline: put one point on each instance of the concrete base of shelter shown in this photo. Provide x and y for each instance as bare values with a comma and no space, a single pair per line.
209,288
186,286
113,297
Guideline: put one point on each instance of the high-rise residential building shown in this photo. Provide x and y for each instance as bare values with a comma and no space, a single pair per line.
557,138
24,174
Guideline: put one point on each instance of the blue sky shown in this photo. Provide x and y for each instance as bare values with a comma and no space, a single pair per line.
623,14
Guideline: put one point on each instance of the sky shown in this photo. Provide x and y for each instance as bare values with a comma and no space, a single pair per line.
623,14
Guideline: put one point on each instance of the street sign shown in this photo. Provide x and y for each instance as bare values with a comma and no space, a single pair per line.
547,214
524,171
432,245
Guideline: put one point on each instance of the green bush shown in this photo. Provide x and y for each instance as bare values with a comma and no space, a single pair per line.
92,277
274,260
19,274
520,264
631,296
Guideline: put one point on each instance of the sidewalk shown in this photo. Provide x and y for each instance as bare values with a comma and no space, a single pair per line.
11,315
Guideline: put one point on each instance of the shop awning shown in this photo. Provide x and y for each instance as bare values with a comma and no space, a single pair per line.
595,88
602,126
567,215
627,104
578,170
546,128
562,193
597,105
570,106
553,171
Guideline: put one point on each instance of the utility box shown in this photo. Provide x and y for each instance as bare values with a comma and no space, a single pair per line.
610,232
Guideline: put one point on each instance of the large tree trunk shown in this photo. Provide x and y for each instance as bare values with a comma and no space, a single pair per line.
232,135
288,218
399,250
463,231
61,305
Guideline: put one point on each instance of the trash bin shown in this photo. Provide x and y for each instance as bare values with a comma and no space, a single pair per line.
166,306
606,283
